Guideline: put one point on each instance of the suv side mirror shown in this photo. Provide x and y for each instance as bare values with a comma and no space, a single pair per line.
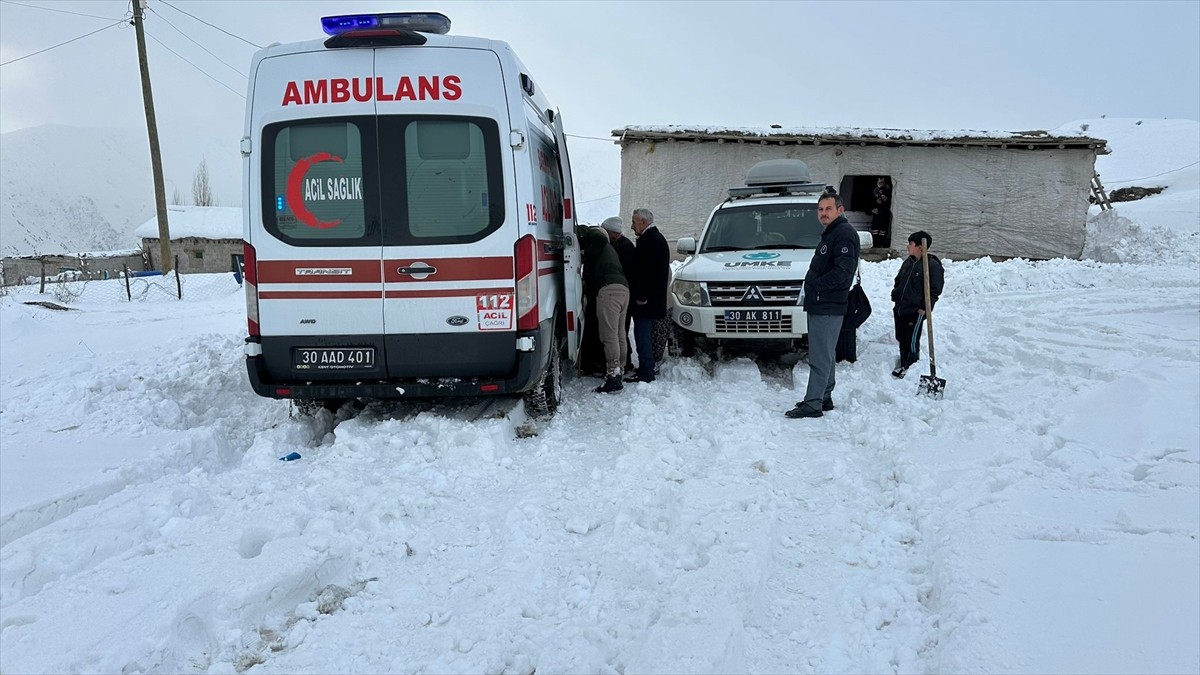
686,245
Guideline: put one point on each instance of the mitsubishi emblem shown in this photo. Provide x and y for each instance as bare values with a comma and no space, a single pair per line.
752,294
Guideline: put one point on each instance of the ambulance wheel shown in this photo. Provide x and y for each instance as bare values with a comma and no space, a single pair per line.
308,407
543,400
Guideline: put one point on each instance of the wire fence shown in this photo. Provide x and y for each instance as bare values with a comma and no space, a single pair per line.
76,289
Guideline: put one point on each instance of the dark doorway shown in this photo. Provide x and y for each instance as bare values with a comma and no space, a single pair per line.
868,202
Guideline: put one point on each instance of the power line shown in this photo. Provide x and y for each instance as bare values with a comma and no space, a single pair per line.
64,11
598,199
210,25
202,72
197,43
592,138
20,58
1134,180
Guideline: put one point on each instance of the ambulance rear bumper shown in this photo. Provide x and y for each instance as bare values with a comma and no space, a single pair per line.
525,376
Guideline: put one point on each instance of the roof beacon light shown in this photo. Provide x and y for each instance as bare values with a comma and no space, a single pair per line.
421,22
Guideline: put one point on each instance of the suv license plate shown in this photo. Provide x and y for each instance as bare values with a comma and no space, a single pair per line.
754,315
333,358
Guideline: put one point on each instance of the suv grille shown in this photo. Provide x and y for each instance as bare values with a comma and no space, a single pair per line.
774,293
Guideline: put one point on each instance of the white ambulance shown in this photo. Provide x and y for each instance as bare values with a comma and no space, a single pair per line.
408,218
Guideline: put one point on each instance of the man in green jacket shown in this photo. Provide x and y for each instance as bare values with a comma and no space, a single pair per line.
604,279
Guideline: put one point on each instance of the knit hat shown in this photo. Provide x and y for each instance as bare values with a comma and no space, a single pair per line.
612,224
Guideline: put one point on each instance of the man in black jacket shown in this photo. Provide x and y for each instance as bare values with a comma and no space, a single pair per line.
826,288
648,289
909,295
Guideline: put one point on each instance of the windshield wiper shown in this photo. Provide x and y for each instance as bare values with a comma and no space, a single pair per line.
715,249
781,246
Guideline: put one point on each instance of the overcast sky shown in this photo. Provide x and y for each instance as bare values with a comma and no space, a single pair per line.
976,65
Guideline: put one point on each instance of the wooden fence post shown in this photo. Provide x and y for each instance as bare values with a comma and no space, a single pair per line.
128,293
42,285
178,285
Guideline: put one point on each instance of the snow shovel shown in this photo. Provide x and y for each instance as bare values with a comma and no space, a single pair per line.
931,385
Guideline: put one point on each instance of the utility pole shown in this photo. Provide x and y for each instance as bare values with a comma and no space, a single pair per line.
160,192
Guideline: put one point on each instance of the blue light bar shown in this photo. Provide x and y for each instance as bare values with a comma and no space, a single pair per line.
422,22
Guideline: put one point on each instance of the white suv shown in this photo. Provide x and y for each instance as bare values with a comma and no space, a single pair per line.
744,282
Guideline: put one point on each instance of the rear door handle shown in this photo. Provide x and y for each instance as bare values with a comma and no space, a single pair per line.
417,270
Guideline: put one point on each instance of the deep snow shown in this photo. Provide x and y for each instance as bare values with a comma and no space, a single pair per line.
1043,517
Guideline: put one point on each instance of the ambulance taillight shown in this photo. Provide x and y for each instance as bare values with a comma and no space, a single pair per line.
527,283
250,274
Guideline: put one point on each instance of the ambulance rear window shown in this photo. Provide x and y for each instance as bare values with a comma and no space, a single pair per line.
447,180
440,179
395,180
314,186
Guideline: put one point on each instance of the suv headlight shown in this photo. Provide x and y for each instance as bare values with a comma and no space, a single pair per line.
688,292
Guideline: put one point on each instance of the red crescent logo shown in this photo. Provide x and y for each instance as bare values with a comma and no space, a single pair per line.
295,190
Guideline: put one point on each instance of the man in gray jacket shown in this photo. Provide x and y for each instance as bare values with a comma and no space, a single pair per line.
826,289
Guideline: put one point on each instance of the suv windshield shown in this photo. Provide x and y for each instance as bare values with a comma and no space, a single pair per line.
763,226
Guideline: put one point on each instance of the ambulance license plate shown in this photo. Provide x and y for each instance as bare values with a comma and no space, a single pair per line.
753,314
333,358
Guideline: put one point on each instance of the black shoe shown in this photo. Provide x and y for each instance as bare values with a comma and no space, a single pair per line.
899,372
801,411
638,378
826,404
611,386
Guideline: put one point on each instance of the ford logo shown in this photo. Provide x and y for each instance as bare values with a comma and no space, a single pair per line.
760,256
457,320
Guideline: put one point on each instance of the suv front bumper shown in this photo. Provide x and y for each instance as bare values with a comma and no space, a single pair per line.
711,322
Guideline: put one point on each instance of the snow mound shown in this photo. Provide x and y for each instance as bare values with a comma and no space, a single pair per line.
1114,238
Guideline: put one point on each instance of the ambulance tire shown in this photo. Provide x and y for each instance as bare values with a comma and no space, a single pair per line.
543,400
307,407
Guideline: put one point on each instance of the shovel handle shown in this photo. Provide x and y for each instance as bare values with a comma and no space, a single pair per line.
928,305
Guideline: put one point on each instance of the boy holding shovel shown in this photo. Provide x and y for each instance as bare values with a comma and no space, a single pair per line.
908,294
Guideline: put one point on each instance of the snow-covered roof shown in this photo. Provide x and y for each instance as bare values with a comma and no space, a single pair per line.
864,136
203,222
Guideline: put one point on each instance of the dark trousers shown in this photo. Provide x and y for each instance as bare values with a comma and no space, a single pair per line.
847,345
643,335
591,352
908,334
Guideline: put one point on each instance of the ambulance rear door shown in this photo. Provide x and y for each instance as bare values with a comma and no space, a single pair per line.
447,212
315,223
572,258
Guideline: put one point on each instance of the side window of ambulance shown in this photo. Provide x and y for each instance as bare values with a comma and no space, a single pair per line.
547,174
449,188
313,183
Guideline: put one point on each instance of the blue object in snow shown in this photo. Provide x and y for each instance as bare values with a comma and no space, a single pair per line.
290,457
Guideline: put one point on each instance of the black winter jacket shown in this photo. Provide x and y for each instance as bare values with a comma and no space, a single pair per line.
909,290
625,251
831,272
651,270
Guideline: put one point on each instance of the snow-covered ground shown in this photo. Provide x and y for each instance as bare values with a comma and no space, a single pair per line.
1043,517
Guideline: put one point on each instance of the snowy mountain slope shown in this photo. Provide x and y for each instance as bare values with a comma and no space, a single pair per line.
1150,153
1042,517
67,189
